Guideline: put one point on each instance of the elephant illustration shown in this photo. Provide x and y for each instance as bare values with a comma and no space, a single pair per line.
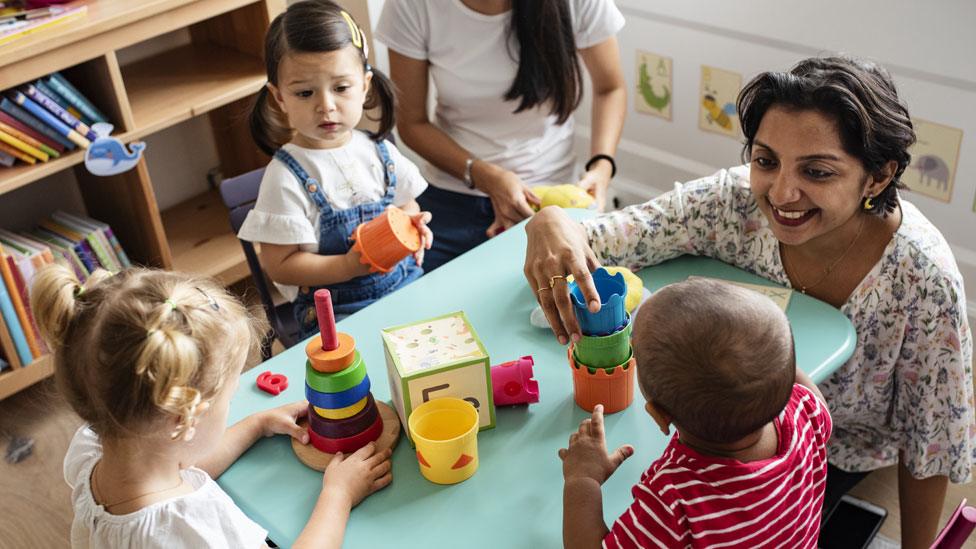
932,168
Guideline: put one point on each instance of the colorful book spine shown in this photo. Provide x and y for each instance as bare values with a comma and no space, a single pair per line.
74,97
23,147
7,346
17,153
28,119
23,272
53,146
98,242
119,252
77,242
64,116
50,120
63,248
10,316
26,138
46,90
6,159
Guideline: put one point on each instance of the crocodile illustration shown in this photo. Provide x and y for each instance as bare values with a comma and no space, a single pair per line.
656,102
109,156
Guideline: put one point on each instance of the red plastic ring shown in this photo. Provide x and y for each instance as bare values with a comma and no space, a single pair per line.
347,445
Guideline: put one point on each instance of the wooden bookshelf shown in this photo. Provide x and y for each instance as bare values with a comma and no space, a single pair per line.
215,75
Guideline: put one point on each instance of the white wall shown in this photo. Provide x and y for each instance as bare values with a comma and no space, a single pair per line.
928,47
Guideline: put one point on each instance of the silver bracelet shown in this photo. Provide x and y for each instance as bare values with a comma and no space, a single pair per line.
467,172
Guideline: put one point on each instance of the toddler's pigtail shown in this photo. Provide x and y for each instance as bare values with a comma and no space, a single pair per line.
269,127
382,94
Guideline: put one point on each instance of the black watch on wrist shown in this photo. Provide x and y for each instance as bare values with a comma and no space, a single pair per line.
608,158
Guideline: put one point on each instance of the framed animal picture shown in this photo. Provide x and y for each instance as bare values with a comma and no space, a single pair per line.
716,102
935,157
654,85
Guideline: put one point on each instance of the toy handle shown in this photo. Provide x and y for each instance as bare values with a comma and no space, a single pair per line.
326,317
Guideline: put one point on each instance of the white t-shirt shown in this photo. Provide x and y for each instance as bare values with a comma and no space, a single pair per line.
207,517
349,175
472,66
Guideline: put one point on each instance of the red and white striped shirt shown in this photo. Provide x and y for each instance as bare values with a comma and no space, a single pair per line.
687,499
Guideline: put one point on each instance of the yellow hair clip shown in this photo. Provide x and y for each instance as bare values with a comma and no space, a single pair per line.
357,36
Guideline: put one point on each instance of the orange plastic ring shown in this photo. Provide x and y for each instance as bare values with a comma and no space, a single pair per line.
336,360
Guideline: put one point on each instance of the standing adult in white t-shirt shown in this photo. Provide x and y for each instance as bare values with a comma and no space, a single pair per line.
508,77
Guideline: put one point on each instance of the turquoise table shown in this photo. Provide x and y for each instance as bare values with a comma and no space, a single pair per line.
515,498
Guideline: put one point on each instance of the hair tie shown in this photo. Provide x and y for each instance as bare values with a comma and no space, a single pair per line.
368,67
172,306
79,290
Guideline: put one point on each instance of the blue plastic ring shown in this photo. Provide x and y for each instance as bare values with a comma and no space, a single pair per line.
338,400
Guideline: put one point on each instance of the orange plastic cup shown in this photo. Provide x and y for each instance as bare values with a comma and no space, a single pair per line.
386,239
611,387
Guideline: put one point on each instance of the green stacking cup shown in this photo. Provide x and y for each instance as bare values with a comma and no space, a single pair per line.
339,381
604,351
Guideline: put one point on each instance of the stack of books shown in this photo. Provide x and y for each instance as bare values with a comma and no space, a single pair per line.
41,121
78,242
18,21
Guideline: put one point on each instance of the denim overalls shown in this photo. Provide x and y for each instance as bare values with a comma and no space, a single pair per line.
335,230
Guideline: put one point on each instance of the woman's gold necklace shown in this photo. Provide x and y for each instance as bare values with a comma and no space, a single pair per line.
828,269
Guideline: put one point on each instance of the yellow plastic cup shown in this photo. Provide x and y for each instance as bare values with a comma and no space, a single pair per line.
445,431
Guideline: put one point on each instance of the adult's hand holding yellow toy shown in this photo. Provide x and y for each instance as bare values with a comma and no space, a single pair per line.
595,183
564,196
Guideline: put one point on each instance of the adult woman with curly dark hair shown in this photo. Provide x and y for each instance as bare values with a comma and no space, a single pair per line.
817,208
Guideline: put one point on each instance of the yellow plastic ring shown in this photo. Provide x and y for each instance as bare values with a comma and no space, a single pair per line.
342,413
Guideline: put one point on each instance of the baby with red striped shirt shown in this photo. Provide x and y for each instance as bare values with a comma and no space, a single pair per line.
747,464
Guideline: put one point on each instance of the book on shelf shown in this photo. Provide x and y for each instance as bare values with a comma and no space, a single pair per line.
27,138
97,234
46,90
65,249
59,15
17,153
75,98
22,146
18,112
7,346
52,121
52,145
11,316
64,116
24,263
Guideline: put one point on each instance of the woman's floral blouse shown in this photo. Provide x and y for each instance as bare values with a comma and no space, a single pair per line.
908,387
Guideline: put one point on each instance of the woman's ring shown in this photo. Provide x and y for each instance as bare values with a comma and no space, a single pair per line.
540,290
553,279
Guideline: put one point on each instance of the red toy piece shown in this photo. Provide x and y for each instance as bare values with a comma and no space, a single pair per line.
327,328
272,383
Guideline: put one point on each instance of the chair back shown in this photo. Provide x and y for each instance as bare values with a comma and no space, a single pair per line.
239,194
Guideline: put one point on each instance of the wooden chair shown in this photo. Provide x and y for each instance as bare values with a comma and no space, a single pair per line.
239,194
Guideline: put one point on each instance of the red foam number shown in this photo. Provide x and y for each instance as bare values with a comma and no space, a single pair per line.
272,383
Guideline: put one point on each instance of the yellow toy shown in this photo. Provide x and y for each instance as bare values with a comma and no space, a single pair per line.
635,286
564,196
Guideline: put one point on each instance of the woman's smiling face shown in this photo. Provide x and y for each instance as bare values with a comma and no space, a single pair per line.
803,180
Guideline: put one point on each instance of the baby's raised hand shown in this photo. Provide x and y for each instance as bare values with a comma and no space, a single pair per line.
358,475
283,420
587,455
420,220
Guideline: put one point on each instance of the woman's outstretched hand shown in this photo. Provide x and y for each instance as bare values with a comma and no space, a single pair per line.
511,199
558,247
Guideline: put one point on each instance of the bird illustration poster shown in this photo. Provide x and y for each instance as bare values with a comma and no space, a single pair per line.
935,156
716,103
654,85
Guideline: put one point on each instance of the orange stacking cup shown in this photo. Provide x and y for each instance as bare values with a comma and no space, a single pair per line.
611,387
386,239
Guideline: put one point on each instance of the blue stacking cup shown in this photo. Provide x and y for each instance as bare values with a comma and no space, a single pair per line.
612,315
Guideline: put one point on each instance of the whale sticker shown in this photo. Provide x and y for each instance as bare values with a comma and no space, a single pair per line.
109,156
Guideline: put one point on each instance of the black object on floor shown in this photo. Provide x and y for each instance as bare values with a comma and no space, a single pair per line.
852,524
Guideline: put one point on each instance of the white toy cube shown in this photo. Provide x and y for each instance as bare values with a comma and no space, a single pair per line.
438,357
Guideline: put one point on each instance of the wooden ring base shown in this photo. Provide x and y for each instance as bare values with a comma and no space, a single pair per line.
311,457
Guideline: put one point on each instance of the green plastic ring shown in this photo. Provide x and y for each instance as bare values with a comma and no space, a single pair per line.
339,381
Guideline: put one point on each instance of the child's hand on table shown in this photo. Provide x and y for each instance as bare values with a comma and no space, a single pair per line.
356,476
587,456
420,220
283,420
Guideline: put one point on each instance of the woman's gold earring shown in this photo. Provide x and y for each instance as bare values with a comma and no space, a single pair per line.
868,205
